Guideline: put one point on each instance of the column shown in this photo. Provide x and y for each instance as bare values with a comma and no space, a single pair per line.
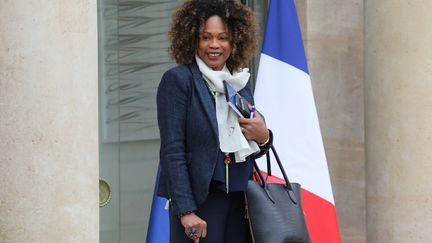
48,121
398,120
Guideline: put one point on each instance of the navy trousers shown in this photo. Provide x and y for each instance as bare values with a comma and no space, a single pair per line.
225,217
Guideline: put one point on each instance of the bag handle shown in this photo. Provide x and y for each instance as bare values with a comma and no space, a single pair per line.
264,181
269,173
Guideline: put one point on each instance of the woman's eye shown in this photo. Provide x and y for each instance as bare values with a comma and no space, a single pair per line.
223,38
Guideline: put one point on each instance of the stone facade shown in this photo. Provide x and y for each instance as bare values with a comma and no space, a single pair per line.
370,65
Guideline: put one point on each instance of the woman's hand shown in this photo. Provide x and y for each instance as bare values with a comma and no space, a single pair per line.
195,227
255,128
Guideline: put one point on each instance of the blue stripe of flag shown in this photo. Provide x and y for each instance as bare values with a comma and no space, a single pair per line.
158,229
282,38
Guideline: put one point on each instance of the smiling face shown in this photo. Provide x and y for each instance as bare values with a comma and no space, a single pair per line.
214,46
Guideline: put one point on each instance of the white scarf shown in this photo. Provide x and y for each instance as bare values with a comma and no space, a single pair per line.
231,138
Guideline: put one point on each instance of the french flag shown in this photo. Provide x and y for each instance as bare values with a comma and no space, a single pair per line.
283,93
158,228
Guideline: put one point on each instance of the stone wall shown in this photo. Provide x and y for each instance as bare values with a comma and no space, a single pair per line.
398,81
335,45
48,121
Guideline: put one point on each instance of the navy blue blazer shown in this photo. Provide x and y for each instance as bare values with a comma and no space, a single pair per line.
189,136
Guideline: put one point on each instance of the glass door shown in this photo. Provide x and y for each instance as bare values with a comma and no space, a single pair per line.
133,55
132,58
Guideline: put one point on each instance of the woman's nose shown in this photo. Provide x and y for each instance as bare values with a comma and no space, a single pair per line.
214,43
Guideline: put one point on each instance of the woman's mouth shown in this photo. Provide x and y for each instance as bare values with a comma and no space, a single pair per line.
214,56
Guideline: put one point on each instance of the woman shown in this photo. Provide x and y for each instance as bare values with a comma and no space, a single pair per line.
207,151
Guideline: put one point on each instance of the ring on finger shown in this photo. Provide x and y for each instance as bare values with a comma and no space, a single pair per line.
192,234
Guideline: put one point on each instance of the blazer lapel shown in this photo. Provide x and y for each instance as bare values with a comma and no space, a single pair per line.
205,97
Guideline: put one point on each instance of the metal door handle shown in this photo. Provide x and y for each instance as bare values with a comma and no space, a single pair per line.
104,193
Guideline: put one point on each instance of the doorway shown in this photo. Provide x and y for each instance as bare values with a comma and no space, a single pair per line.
132,58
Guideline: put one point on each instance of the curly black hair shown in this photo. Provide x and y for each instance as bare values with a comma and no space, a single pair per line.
188,22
